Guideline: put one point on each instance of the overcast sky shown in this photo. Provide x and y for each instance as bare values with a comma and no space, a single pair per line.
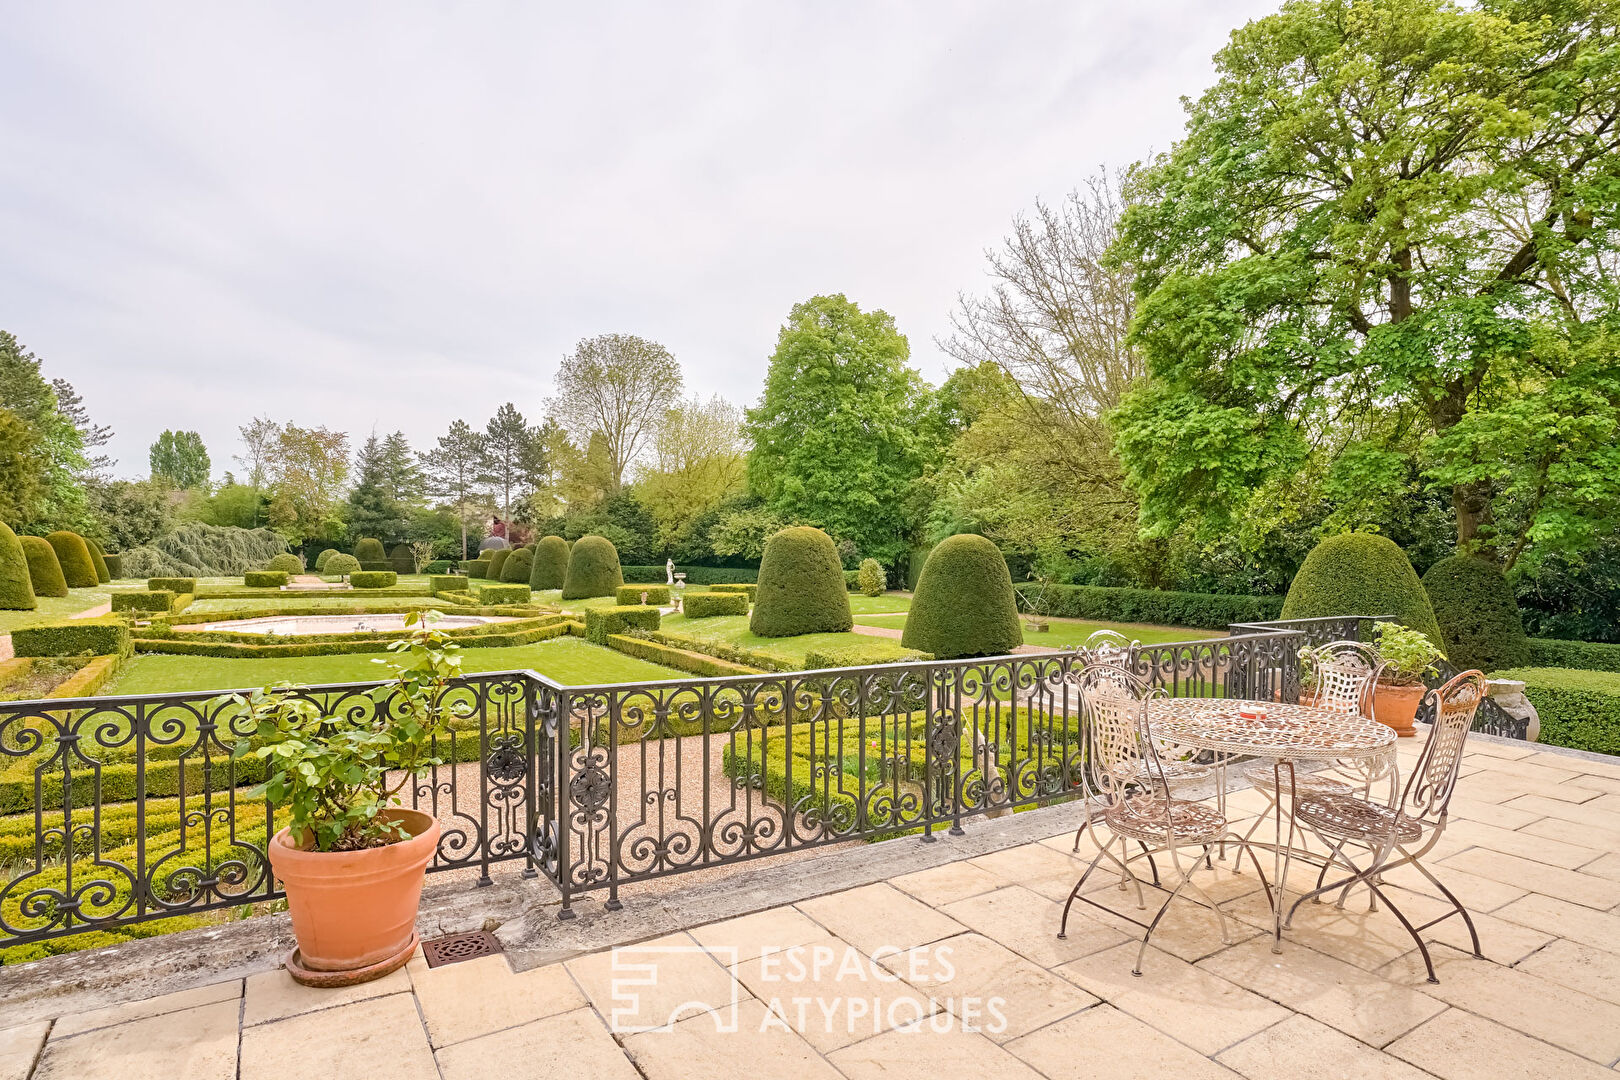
393,215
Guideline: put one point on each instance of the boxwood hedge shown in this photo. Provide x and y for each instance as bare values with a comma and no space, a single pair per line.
151,600
602,621
16,586
964,605
1578,709
476,568
264,579
593,569
518,566
115,565
98,558
172,584
74,555
44,571
549,568
1209,611
370,549
632,594
695,575
374,579
708,605
801,586
502,594
104,636
1582,655
1479,618
497,562
1360,574
287,562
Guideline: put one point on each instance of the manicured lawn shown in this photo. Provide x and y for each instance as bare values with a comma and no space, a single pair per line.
567,660
873,605
733,630
52,608
1067,633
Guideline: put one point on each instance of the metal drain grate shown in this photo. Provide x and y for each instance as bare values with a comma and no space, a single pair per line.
454,948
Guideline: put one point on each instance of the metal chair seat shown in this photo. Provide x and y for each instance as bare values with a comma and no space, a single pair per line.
1174,771
1263,776
1156,820
1340,817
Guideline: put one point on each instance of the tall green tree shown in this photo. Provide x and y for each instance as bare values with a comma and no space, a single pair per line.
617,386
373,509
46,454
306,468
1386,247
452,471
179,459
836,435
401,476
514,456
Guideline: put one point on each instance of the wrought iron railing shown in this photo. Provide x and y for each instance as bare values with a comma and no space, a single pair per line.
116,811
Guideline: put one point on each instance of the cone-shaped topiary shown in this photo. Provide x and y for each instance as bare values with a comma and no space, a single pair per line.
320,560
403,559
74,555
593,569
550,566
1480,626
16,587
801,586
44,570
964,604
370,549
286,562
98,559
518,566
497,562
1360,574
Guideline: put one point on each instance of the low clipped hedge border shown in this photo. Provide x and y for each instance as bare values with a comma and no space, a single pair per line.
492,636
104,636
631,594
475,568
374,579
747,657
238,592
601,622
880,651
693,663
1578,709
264,579
245,637
1582,655
1164,607
172,584
502,594
150,600
87,681
749,590
695,575
709,605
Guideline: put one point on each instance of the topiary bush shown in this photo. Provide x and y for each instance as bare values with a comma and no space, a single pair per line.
74,555
403,559
550,566
340,564
115,565
1578,709
600,622
98,558
373,579
502,594
16,584
264,579
518,567
964,605
801,586
497,563
104,636
1164,607
1479,618
749,591
710,604
287,563
632,594
1360,574
593,569
370,549
871,578
476,568
321,559
176,585
150,600
44,571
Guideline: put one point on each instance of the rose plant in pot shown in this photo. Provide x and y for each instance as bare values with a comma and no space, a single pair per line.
1405,656
352,858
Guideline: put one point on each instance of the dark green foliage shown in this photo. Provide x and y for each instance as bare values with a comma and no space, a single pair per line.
708,605
403,559
602,621
321,559
172,584
872,578
866,654
441,583
115,566
1163,607
1360,574
287,563
152,600
44,571
497,563
519,566
1479,619
340,564
264,579
801,586
439,566
16,584
748,590
632,594
964,604
379,565
1583,655
106,636
370,549
373,579
549,568
914,564
98,558
74,555
695,575
476,568
1578,709
852,580
593,569
502,594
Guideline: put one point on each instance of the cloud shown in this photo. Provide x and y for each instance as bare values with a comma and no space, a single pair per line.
394,215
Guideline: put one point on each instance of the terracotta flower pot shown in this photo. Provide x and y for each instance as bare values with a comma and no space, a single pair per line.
355,910
1397,706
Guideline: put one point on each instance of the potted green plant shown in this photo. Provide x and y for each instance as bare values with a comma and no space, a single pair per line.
352,859
1406,656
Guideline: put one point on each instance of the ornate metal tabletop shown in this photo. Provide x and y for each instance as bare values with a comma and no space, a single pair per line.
1288,732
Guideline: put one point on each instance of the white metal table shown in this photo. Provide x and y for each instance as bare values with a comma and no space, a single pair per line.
1288,734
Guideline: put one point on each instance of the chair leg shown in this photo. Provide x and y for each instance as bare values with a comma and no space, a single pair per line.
1141,951
1473,934
1063,927
1423,948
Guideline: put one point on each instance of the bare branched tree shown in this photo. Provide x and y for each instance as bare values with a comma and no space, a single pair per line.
618,386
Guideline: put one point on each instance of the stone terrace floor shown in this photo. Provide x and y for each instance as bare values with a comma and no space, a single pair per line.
969,947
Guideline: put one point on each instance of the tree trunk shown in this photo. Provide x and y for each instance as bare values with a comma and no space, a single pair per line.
1472,503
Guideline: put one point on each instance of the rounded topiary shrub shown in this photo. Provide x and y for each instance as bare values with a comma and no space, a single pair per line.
74,555
1360,574
322,559
497,562
373,579
593,569
340,564
403,559
518,566
801,586
550,566
1479,619
287,563
872,578
98,559
964,605
44,570
370,549
16,585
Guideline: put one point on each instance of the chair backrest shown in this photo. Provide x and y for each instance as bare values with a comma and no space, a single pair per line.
1115,713
1345,672
1108,647
1428,789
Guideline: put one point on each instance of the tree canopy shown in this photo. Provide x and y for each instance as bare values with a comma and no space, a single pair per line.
179,459
618,387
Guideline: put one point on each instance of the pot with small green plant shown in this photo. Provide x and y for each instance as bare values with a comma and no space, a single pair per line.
1405,657
352,858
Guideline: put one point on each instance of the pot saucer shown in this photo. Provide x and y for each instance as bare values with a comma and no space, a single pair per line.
353,976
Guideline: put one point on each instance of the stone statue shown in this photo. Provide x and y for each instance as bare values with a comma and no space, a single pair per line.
669,569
